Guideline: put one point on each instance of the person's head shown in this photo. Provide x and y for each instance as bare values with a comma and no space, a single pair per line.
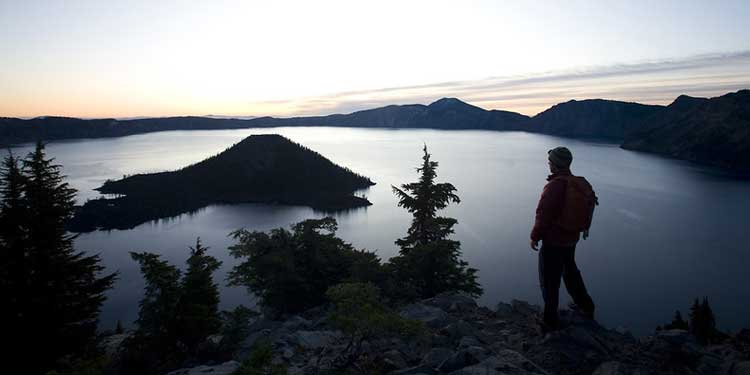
559,158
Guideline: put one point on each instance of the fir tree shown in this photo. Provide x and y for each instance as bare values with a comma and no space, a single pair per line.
198,309
178,311
429,261
677,322
703,322
57,292
13,241
154,348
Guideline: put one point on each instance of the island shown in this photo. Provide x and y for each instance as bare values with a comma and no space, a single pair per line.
259,169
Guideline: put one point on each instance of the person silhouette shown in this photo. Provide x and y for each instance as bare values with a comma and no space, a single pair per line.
564,212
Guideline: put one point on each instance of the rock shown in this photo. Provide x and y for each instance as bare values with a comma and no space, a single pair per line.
297,322
741,368
214,340
394,359
312,339
505,363
463,358
504,309
453,301
524,308
611,368
436,356
458,329
518,360
416,370
429,315
226,368
467,341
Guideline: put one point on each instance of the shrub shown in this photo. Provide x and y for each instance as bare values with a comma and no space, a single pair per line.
290,271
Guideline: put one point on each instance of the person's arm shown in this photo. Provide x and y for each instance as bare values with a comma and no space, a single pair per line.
548,209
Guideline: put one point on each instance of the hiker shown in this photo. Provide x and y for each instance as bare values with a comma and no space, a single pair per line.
563,213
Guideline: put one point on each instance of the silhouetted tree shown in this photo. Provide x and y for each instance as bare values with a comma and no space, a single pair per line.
703,322
176,314
13,242
291,271
56,292
154,348
198,309
677,322
429,260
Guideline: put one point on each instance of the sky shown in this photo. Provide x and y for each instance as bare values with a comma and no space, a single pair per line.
285,58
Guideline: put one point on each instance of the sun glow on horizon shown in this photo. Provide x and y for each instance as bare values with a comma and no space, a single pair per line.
285,58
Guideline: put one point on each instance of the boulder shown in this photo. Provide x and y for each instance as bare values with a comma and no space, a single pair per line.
502,364
524,308
741,368
226,368
429,315
312,339
611,368
416,370
453,301
436,356
394,359
463,358
467,341
297,322
458,329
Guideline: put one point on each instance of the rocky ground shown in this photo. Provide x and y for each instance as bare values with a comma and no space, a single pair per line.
464,338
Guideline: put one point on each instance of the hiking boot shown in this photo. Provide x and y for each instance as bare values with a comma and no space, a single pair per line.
588,314
545,328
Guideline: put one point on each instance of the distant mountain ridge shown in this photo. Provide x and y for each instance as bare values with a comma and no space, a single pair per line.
676,130
592,118
713,131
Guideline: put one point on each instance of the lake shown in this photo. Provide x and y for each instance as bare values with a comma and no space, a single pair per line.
665,231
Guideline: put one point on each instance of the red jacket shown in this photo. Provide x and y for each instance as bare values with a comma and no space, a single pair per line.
549,210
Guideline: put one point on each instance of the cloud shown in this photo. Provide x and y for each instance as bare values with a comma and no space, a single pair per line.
652,82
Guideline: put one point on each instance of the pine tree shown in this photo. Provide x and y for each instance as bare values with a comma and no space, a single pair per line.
13,241
178,311
428,260
677,322
702,321
198,309
154,348
57,291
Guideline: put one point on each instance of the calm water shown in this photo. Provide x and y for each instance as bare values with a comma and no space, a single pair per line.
665,232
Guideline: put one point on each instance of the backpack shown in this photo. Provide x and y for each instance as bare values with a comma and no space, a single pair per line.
580,201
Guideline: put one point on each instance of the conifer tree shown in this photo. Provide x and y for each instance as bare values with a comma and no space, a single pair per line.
702,321
677,322
178,311
154,347
56,292
12,240
429,260
198,309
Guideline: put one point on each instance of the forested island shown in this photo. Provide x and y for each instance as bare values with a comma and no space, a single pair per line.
260,168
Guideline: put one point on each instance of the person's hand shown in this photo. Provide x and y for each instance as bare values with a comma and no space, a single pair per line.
586,234
535,245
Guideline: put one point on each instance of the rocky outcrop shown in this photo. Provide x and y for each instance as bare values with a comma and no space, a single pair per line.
461,337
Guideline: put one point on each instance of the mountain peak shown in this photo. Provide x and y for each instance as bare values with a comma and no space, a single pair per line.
454,104
448,102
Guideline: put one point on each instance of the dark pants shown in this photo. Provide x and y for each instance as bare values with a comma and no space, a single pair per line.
556,262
